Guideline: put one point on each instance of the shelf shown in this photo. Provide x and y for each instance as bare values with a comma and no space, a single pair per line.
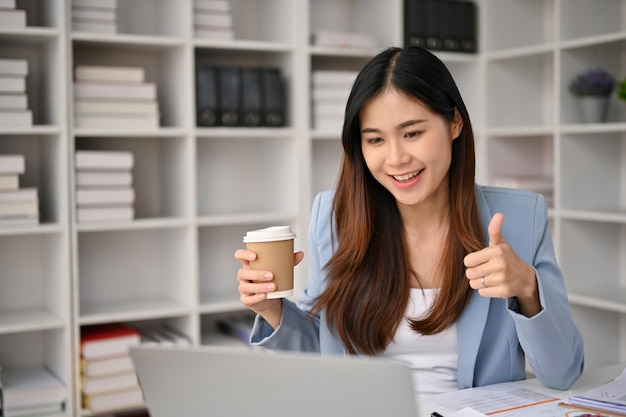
129,310
15,321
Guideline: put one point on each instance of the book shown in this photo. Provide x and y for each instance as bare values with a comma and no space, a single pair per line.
212,5
103,179
107,366
22,194
9,182
114,90
213,19
31,386
19,209
16,118
99,214
468,26
107,340
163,335
338,39
13,67
12,164
335,78
103,160
273,97
129,121
103,384
34,410
109,73
20,221
115,107
206,95
16,101
109,4
7,4
606,398
104,196
12,18
94,14
114,400
415,23
330,93
96,27
12,84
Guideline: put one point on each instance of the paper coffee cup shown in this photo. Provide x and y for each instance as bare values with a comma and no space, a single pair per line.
274,250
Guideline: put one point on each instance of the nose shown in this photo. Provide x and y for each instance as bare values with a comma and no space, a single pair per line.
397,154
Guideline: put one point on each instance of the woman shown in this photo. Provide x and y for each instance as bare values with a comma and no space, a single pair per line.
410,259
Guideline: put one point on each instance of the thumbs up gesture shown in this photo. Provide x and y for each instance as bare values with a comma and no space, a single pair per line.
496,271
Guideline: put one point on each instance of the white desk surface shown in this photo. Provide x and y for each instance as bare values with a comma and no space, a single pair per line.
590,378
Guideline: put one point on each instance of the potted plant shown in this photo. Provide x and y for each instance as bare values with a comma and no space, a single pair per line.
593,88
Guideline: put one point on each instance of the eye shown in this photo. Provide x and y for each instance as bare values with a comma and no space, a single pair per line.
373,141
413,134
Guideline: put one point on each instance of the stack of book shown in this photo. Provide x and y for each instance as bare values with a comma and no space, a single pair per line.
113,97
329,91
542,184
13,99
213,19
351,40
10,15
104,185
99,16
32,391
108,377
18,206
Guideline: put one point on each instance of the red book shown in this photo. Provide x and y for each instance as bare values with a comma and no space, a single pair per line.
107,340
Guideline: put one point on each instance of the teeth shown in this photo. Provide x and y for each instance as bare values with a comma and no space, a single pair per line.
406,177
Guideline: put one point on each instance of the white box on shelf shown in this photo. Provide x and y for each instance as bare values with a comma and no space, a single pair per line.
7,4
117,90
18,101
22,194
100,214
131,122
12,18
105,196
108,4
12,164
9,182
16,118
109,73
12,84
109,383
112,107
103,179
95,27
333,77
31,386
93,14
96,160
222,20
12,67
212,5
19,209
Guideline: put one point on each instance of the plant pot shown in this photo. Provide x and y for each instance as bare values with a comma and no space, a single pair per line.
593,109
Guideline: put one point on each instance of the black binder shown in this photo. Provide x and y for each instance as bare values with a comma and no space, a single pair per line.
415,23
435,21
230,96
206,95
451,32
273,97
251,97
468,26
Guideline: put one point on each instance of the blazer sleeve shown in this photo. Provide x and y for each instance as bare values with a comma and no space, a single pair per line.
298,330
551,341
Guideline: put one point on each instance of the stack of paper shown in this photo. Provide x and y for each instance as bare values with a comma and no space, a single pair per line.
99,16
10,16
609,398
32,391
104,185
18,206
330,90
335,39
13,99
213,19
112,97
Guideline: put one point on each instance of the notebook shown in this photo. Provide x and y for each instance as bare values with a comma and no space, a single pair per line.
224,381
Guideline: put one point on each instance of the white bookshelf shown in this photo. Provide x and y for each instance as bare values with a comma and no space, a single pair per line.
532,50
200,189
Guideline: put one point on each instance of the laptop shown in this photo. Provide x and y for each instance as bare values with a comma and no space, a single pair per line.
230,381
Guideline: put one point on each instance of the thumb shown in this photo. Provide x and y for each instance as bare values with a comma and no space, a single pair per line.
495,229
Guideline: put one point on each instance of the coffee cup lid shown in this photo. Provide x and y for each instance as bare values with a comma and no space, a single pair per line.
269,234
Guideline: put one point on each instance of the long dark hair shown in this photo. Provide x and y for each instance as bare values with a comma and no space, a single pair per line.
370,272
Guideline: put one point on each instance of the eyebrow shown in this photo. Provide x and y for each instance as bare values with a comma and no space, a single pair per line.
398,127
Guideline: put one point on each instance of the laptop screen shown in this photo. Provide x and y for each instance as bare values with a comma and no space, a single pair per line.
224,381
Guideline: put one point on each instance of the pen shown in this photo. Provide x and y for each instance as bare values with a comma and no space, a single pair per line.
435,414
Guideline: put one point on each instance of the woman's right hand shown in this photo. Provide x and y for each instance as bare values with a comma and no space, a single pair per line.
254,286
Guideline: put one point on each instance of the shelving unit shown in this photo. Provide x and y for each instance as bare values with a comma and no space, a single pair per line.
200,189
533,124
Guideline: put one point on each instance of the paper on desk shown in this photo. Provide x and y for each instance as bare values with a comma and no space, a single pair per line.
509,399
609,397
467,412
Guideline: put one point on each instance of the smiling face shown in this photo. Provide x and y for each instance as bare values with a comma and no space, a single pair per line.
408,148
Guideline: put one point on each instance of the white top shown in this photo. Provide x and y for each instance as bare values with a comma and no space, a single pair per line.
432,359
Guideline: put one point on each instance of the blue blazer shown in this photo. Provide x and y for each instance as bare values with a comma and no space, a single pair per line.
494,339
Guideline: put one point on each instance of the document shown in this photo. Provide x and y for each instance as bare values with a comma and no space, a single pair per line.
610,397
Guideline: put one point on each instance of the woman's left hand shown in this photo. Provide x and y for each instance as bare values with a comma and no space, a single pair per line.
497,271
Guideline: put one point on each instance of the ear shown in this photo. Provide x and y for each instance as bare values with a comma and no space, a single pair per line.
456,125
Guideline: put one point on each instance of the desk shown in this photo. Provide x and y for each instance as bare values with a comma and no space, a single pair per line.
589,379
